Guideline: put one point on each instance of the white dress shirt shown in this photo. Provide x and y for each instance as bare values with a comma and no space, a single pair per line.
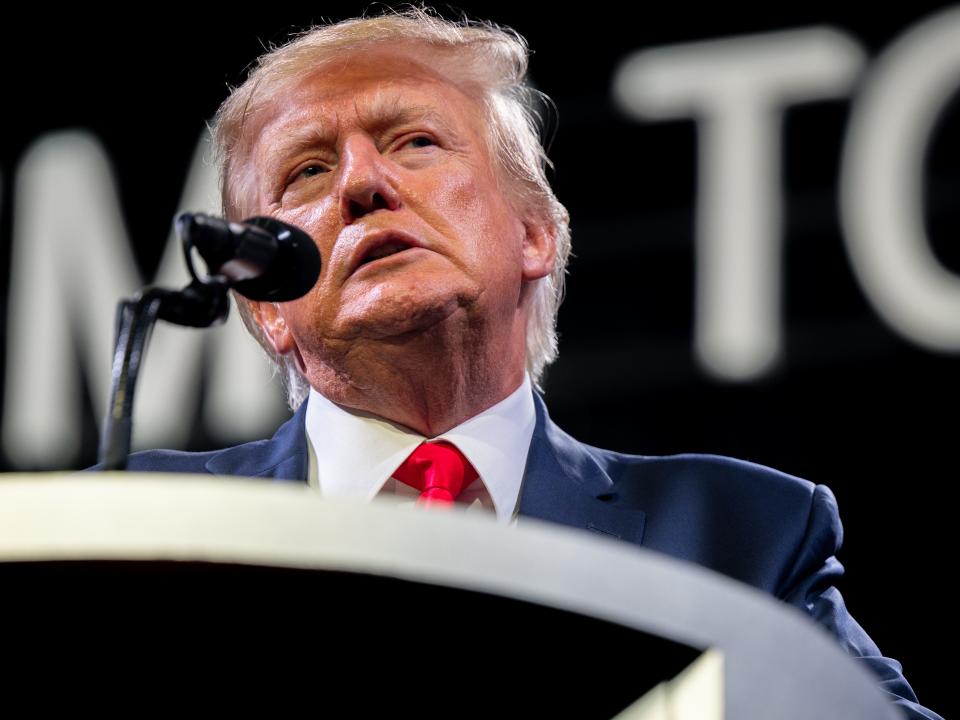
353,454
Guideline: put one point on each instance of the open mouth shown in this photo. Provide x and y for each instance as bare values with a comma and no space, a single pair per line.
390,247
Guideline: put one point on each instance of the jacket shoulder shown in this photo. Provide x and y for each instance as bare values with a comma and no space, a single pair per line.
182,461
722,479
282,457
744,519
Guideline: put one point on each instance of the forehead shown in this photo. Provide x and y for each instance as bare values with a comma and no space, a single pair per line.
370,88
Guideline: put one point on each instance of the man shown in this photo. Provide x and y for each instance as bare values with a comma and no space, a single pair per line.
403,145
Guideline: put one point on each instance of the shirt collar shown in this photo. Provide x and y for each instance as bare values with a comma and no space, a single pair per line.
354,453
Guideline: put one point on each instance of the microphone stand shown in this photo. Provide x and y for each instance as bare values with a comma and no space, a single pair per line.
202,303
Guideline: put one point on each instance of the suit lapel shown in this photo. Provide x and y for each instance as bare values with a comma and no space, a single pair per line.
565,482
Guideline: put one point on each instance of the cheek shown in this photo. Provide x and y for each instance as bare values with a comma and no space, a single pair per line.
305,318
471,206
314,217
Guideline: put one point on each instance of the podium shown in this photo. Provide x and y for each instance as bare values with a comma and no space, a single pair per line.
173,581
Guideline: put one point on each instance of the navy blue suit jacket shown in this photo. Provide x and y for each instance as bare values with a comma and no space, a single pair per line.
762,527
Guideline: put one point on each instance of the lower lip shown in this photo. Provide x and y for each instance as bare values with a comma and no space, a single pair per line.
401,257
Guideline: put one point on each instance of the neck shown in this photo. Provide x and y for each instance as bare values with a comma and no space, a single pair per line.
429,382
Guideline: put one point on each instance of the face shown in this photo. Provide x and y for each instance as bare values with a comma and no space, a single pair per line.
386,165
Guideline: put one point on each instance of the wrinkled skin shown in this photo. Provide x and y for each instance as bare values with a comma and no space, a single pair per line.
377,150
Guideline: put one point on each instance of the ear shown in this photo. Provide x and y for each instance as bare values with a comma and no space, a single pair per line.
539,248
271,321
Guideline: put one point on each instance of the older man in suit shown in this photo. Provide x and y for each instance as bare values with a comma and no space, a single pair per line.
405,146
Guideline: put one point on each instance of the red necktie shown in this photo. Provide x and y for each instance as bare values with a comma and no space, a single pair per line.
438,470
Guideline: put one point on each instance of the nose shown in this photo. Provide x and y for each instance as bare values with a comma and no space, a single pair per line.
365,183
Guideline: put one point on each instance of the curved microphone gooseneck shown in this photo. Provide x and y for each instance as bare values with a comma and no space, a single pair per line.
261,258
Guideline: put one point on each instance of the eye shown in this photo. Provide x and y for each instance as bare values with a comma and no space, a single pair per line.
421,141
312,170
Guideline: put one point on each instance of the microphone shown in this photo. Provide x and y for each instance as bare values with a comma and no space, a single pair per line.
262,258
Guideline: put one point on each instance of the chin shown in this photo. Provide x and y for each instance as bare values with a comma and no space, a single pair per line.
387,319
401,306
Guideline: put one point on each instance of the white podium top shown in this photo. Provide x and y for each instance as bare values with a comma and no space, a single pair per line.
113,516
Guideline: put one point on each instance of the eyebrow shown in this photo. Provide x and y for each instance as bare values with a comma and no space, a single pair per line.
309,135
386,115
379,118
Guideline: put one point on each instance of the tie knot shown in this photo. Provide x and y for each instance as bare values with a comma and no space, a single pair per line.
438,470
